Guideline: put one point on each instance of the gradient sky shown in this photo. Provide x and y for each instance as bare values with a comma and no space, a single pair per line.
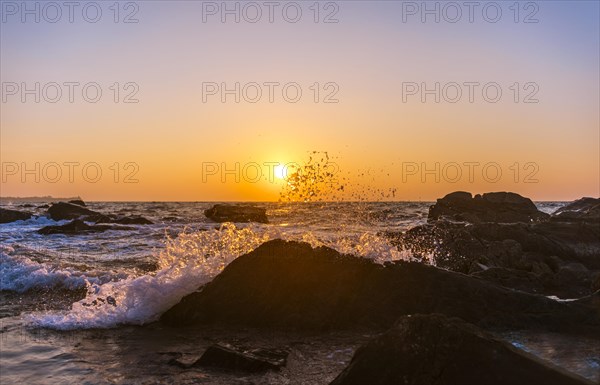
170,133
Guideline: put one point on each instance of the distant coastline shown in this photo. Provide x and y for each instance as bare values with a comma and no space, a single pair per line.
37,199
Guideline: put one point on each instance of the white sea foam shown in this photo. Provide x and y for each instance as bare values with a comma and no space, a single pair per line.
35,221
188,262
21,274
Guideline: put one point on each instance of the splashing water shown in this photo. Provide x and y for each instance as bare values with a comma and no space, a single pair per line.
315,180
188,262
21,274
372,246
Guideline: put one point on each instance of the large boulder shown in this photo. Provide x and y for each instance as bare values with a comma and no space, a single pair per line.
290,284
584,209
500,207
236,213
7,216
437,350
536,257
63,210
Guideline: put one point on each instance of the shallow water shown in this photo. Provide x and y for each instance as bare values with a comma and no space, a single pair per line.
57,290
142,355
580,355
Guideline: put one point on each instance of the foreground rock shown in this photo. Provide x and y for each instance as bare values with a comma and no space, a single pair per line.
78,226
500,207
7,216
231,358
62,210
436,350
290,284
584,209
236,213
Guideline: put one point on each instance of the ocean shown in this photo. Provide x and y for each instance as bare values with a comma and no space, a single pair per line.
81,309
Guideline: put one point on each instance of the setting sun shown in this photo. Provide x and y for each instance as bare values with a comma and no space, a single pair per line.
280,171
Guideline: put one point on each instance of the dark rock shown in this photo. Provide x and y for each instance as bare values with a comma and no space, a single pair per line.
584,209
78,202
515,279
500,207
133,220
436,350
533,253
290,284
26,205
78,226
228,357
596,284
178,362
43,206
62,210
236,213
7,216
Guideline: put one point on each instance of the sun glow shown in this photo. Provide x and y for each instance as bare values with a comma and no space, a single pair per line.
280,171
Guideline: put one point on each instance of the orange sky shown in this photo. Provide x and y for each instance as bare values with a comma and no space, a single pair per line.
170,135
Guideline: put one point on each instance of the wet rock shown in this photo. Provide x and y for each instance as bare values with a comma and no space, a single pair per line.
62,210
533,253
290,284
7,216
132,220
78,226
499,207
584,209
596,285
228,357
515,279
236,213
77,202
45,206
437,350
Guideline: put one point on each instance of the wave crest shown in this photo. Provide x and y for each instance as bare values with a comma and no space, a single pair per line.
188,262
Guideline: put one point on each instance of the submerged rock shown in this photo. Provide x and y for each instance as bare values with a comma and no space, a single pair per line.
437,350
78,226
62,210
500,207
236,213
228,357
290,284
133,220
7,216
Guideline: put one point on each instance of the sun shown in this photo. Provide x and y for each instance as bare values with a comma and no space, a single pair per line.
280,171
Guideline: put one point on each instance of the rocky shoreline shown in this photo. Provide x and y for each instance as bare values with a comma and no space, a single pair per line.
498,260
553,255
482,267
